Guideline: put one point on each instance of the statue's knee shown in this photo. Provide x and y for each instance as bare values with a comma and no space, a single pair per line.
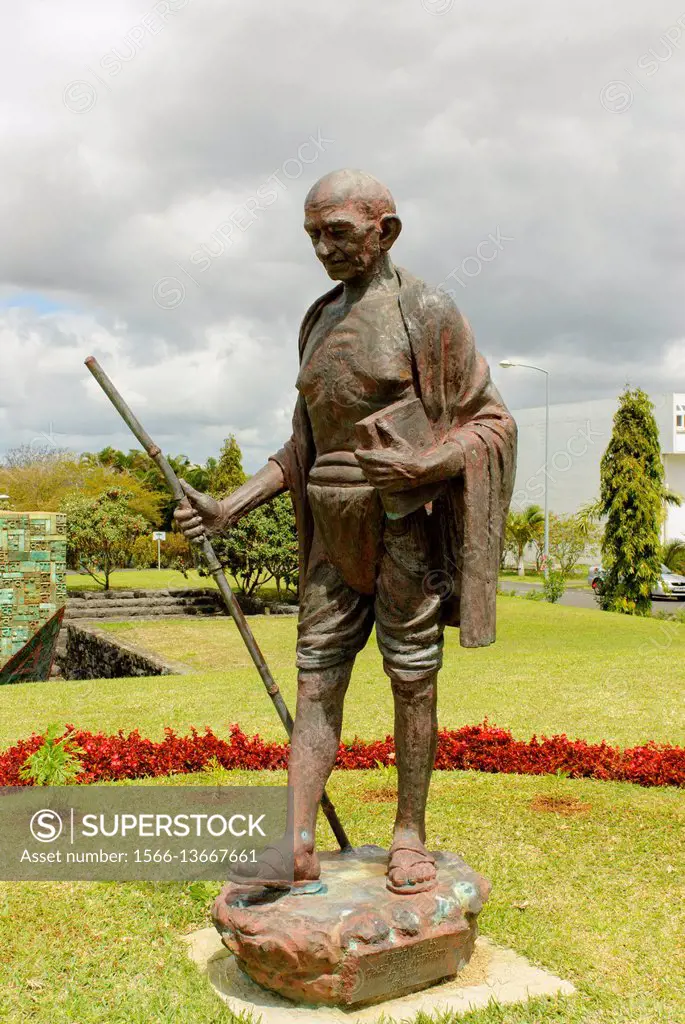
325,683
417,690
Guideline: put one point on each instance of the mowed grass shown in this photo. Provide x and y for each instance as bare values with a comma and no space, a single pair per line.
143,579
162,579
156,579
596,896
553,669
577,579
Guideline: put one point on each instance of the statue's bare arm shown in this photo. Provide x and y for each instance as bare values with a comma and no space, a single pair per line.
203,514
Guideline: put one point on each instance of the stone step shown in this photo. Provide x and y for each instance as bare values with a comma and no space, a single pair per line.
141,611
133,609
181,602
161,598
151,604
128,595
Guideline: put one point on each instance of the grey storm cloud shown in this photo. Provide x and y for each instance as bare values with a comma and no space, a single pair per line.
156,156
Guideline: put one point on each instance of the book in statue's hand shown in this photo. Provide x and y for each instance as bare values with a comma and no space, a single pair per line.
408,418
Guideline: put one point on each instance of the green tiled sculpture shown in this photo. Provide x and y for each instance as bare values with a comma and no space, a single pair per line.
33,592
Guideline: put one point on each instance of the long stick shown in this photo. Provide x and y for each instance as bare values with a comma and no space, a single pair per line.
217,572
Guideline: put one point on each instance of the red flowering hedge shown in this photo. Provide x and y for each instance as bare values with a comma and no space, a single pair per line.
481,747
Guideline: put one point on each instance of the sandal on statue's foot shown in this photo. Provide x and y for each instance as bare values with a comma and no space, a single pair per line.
276,869
273,869
411,868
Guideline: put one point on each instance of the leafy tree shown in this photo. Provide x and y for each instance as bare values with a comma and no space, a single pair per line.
522,529
569,538
281,557
262,547
632,496
137,465
31,454
101,531
38,480
228,473
588,516
196,475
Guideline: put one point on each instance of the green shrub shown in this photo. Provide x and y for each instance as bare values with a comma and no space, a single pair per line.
56,763
554,585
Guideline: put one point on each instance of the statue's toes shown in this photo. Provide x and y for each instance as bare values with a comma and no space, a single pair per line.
411,870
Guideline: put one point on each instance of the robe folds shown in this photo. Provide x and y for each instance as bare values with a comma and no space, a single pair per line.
463,406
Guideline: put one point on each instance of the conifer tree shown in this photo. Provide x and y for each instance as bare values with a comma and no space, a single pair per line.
228,473
631,499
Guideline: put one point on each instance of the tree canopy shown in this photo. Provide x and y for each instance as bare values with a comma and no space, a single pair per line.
228,473
523,528
632,500
38,480
101,531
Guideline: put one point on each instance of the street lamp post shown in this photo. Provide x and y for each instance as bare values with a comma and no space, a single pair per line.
507,364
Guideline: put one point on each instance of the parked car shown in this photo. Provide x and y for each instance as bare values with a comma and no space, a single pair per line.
671,584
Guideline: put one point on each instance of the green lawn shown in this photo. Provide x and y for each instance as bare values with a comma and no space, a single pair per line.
155,579
143,579
596,897
554,669
162,579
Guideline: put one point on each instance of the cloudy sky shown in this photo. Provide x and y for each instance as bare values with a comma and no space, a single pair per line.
156,156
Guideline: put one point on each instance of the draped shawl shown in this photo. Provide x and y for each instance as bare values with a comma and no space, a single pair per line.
453,382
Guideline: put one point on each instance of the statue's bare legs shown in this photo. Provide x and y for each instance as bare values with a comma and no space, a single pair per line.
314,747
411,867
315,741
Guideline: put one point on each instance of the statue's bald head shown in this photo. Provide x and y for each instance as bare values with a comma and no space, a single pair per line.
352,221
341,187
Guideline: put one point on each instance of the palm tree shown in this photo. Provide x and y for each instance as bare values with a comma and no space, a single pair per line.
587,516
673,555
522,528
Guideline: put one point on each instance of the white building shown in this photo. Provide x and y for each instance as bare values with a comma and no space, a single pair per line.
579,434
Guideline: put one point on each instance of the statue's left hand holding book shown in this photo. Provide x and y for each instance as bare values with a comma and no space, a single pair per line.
408,420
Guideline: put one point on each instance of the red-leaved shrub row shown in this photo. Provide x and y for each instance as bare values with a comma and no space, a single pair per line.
483,748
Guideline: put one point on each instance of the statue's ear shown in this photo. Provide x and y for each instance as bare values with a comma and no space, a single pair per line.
391,225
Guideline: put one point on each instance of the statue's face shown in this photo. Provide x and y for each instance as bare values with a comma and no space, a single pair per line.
345,238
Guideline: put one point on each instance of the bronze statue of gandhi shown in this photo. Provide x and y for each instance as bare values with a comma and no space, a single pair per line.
379,337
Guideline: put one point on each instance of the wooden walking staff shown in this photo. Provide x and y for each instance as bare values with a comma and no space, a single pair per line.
217,572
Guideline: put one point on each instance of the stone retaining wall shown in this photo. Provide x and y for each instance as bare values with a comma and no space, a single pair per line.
94,654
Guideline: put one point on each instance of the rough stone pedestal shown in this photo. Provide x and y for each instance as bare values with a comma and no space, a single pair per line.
354,943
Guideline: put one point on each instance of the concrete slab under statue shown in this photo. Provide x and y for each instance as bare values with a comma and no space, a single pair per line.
353,942
493,975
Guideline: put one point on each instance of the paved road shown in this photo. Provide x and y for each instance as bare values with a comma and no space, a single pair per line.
577,598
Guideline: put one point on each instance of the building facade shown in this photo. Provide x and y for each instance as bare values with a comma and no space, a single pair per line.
579,434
